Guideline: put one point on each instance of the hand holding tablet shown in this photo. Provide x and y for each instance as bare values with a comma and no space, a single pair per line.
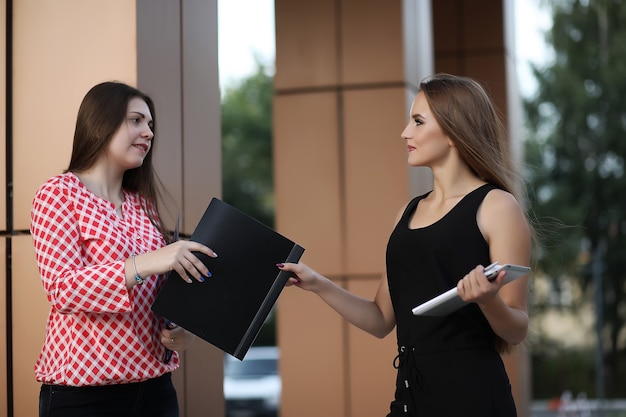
450,301
491,272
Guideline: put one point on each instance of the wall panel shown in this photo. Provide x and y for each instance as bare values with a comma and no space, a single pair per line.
371,42
339,182
202,147
372,375
3,326
158,58
3,110
30,310
483,25
61,49
202,180
375,173
311,355
308,55
178,66
307,172
3,214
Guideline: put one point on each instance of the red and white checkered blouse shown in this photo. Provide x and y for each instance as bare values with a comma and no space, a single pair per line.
98,331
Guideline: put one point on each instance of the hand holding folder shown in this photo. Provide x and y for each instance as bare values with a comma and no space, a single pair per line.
229,308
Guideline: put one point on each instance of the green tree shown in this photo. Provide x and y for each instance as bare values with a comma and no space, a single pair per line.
576,155
247,176
247,171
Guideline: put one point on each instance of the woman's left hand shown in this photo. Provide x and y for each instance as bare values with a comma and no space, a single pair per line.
176,338
475,287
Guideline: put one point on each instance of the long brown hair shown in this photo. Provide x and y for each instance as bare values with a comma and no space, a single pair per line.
468,117
101,113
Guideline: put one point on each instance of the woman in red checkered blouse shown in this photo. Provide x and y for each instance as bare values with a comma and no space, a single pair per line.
102,255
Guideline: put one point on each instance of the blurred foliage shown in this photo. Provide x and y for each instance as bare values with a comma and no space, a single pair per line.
247,170
570,369
575,155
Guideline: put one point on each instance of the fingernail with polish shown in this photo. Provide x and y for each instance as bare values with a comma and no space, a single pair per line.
280,265
209,274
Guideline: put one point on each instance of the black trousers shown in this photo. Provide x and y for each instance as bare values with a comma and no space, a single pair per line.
153,398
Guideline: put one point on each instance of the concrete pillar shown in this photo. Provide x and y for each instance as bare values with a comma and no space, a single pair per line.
59,50
346,73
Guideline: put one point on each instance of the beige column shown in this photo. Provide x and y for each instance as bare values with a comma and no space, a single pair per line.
60,50
3,326
346,72
341,176
178,67
3,216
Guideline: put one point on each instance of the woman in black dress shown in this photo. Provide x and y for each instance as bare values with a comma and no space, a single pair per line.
449,366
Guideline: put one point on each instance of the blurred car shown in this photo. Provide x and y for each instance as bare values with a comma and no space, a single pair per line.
252,387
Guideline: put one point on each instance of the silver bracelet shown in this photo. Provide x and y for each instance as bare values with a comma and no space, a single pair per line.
137,277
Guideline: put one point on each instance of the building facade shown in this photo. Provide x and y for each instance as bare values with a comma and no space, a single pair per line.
346,72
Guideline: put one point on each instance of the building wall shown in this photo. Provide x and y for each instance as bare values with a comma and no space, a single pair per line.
178,67
346,73
339,105
52,65
61,49
3,220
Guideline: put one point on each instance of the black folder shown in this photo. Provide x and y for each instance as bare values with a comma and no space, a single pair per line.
230,307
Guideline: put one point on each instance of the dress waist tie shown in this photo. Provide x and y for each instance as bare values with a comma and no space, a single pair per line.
409,374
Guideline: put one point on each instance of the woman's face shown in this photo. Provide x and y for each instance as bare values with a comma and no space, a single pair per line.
427,144
133,139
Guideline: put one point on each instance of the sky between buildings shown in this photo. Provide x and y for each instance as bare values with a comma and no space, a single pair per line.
246,34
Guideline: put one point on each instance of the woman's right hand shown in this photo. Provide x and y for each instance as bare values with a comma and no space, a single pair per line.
301,275
177,256
374,316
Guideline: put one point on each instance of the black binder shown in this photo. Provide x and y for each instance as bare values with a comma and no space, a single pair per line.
230,307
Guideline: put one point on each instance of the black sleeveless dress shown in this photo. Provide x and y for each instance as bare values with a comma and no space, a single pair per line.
447,366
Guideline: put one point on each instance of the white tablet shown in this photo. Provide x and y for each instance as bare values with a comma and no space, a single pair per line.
450,301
